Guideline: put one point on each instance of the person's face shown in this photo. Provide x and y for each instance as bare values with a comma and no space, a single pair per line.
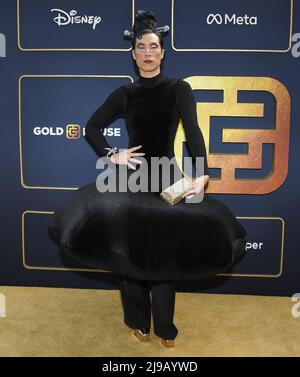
147,48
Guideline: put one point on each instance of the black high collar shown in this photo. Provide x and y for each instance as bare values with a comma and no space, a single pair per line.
150,82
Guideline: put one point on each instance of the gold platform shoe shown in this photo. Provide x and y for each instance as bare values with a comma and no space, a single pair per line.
141,335
168,342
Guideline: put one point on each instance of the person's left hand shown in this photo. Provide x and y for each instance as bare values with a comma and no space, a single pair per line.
197,186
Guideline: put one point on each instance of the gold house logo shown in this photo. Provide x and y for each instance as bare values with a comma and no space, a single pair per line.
73,131
255,138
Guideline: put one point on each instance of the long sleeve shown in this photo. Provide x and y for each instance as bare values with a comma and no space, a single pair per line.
113,107
187,109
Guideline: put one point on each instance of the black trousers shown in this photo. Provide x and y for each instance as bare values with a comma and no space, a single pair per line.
135,296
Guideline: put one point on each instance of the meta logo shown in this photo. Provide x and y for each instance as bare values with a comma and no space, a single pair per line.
63,18
2,46
296,47
220,19
72,131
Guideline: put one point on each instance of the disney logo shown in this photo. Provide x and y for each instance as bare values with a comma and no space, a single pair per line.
64,18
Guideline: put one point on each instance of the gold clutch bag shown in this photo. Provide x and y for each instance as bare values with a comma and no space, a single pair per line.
176,192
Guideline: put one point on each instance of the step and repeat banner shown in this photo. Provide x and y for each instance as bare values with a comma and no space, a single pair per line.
59,61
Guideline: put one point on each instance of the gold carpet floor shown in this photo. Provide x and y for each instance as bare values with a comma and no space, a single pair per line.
89,322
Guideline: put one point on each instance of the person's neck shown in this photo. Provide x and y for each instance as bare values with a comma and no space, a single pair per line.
152,81
149,75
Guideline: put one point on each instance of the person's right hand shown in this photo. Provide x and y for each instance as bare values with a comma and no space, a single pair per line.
124,157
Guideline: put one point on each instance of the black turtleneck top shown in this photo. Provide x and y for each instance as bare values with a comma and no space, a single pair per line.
152,108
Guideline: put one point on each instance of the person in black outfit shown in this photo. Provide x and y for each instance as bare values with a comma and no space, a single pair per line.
135,293
147,242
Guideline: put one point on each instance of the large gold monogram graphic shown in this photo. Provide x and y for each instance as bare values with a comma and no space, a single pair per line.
278,134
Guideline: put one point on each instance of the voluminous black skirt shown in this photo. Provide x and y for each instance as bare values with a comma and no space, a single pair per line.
142,236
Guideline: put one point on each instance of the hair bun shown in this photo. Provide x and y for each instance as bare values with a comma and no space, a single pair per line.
144,19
